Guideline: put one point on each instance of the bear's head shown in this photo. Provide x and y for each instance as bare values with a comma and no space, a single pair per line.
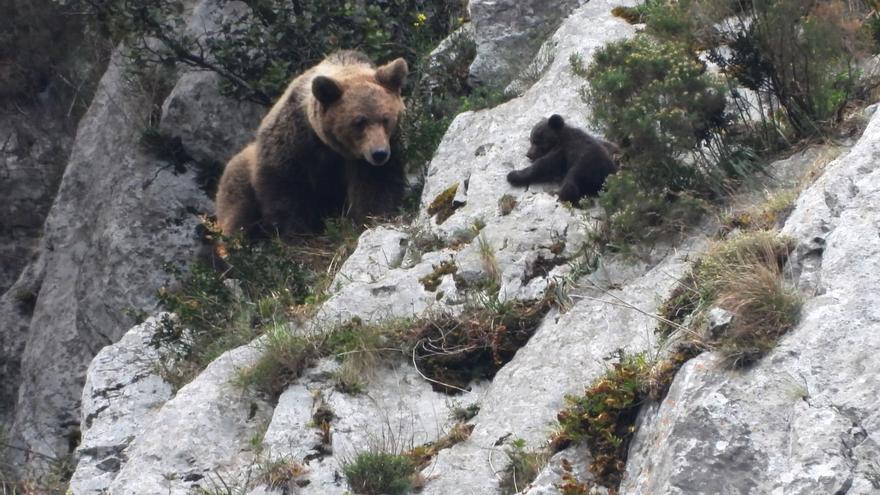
358,114
545,136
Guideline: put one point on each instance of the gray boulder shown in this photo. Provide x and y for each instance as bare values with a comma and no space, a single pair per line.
508,34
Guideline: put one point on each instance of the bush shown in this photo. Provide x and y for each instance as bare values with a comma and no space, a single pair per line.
379,473
797,56
219,310
656,99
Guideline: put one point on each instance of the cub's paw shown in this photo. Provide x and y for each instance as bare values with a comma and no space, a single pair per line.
569,192
517,178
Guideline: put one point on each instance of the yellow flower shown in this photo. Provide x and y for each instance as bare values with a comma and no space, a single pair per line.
420,20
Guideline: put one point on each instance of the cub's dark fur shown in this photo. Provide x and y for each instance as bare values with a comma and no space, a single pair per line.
558,150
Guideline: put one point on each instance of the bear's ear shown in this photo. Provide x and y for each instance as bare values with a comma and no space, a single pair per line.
393,74
557,122
326,90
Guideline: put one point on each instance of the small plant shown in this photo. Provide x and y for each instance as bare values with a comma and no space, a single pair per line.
379,473
506,204
522,468
742,274
444,205
422,455
285,356
604,417
768,215
279,473
466,413
432,280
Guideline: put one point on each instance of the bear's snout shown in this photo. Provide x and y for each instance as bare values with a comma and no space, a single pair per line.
379,156
532,154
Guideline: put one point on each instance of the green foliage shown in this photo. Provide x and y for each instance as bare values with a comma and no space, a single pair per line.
218,310
379,473
264,44
604,416
658,101
656,98
522,468
285,355
798,57
639,214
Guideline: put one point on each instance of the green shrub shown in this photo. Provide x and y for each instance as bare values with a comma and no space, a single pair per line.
604,416
379,473
636,214
797,56
219,310
656,99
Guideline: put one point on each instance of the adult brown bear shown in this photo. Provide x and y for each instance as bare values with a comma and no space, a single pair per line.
322,150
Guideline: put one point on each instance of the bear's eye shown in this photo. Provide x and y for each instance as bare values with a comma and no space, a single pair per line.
359,122
386,121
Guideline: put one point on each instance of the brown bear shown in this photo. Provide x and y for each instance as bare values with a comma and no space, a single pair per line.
321,151
558,150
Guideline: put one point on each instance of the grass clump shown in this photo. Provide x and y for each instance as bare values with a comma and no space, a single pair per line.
768,215
743,275
285,356
216,311
451,351
444,205
522,468
379,473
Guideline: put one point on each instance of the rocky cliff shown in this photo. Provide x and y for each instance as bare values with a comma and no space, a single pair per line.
801,420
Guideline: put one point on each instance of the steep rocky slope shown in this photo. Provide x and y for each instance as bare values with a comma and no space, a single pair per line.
119,216
802,420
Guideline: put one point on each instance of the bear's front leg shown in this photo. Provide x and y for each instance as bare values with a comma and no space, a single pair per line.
372,190
544,168
279,209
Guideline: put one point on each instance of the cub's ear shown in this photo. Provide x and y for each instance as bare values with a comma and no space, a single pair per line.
326,90
393,74
557,122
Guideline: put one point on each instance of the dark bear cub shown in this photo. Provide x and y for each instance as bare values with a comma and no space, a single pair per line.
558,150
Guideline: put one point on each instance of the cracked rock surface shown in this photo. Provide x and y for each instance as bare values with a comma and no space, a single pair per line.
804,418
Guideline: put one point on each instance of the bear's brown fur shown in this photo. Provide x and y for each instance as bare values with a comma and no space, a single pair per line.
322,150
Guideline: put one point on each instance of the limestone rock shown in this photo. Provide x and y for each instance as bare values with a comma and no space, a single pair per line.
508,34
121,396
803,419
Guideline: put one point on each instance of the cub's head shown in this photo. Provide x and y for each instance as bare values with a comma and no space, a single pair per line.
358,114
545,136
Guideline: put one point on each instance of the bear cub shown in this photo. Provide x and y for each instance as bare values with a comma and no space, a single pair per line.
558,150
322,150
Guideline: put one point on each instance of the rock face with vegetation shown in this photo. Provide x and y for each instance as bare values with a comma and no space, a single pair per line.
803,419
495,341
